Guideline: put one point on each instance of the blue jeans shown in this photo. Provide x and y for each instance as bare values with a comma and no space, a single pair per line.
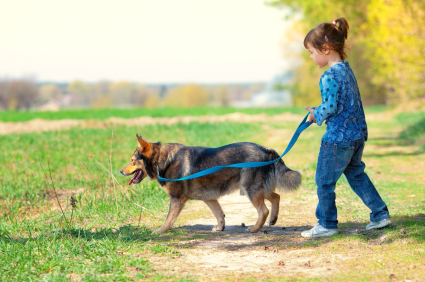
334,160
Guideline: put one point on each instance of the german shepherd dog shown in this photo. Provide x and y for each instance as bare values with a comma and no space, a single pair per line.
175,161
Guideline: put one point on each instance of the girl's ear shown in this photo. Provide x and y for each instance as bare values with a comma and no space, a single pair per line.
326,49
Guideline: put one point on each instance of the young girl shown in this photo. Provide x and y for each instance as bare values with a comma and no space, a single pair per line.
343,143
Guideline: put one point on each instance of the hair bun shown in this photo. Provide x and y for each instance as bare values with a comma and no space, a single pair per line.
342,25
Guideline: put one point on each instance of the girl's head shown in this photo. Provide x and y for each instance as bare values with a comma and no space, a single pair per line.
327,39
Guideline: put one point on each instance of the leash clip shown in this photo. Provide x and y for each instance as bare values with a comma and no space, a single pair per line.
157,171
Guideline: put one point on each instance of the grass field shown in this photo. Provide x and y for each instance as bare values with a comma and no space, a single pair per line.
109,238
102,114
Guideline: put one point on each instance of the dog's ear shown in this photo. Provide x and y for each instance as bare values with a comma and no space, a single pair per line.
145,147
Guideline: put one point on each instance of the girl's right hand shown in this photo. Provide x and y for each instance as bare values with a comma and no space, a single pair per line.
311,116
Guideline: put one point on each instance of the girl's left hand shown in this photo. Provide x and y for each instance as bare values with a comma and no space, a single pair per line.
311,116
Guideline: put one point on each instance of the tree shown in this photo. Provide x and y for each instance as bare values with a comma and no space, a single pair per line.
395,46
50,91
140,95
18,94
220,96
80,92
127,93
191,95
152,101
121,92
101,95
304,86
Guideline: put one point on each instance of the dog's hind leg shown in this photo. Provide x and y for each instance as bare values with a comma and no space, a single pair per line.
218,212
176,206
274,198
258,201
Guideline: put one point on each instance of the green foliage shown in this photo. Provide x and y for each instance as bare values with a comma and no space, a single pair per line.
395,46
387,45
305,83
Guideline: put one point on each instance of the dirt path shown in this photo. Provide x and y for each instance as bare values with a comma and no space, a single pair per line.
235,251
37,125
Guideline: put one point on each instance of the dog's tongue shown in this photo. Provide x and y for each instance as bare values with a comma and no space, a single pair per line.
134,177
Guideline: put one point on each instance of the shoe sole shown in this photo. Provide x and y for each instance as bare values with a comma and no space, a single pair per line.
386,225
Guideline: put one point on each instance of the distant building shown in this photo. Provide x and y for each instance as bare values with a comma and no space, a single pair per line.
48,104
272,96
266,98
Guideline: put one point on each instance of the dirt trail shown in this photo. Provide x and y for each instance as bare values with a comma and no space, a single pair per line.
37,125
235,251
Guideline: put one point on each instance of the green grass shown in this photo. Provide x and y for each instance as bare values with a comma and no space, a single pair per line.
413,128
102,114
102,255
105,241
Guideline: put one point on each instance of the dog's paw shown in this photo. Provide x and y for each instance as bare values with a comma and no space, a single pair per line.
159,231
218,228
251,230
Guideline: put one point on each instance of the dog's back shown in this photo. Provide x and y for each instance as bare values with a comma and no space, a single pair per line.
190,160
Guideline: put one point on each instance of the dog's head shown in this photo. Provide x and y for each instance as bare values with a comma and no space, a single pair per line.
136,165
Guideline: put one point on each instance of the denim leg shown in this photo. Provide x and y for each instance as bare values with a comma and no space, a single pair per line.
330,166
363,187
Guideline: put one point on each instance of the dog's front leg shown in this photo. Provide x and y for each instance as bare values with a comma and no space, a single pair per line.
176,206
218,212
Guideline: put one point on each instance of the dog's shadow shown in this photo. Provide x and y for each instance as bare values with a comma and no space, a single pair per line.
235,237
243,229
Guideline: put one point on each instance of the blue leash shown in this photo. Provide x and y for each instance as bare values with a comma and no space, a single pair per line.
303,126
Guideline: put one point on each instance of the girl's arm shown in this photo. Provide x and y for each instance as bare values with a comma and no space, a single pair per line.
329,89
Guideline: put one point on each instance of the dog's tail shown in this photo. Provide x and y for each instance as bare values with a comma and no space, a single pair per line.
286,178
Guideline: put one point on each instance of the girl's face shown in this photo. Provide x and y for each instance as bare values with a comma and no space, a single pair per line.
321,59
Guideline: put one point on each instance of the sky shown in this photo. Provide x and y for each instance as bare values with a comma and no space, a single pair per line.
155,41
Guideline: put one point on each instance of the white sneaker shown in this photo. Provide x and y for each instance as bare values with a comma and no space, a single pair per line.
380,224
318,231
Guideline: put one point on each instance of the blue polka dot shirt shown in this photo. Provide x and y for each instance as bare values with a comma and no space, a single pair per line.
342,105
